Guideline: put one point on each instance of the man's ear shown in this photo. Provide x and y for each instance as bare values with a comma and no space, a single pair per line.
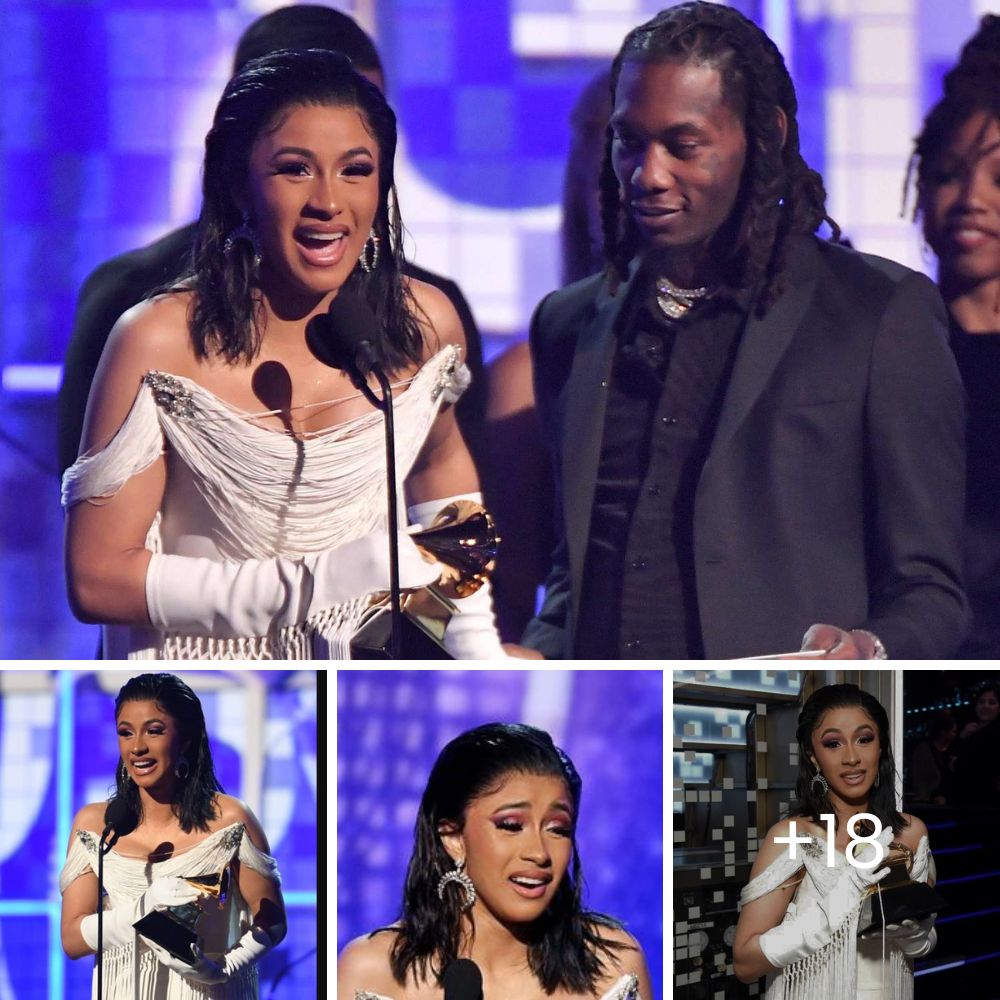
782,124
452,840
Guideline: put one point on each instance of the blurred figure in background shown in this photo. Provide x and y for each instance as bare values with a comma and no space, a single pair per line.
957,163
932,762
977,769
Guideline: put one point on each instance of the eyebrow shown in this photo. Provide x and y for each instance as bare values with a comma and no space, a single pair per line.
558,804
148,722
309,154
864,725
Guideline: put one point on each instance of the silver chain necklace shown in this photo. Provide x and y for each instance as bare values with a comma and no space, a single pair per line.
674,302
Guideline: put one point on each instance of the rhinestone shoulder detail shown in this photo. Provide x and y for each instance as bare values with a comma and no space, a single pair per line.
170,394
230,840
88,840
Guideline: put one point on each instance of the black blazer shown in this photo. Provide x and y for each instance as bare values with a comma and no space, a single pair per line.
834,487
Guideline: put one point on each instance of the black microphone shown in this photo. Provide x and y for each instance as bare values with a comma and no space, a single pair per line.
344,339
462,980
119,821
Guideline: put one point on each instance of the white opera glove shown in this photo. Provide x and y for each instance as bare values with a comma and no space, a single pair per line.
258,596
915,938
162,893
472,633
255,943
812,928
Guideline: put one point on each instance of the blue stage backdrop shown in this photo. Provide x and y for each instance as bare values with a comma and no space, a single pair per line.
392,724
58,751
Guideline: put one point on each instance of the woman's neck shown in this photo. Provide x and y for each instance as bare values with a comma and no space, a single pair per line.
976,307
496,948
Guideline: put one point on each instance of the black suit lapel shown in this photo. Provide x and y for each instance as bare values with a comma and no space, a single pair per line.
764,342
584,428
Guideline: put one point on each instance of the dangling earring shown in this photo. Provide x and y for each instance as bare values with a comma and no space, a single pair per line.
876,779
182,762
244,231
818,776
123,772
457,874
370,247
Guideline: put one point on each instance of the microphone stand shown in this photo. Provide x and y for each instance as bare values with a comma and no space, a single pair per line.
102,849
385,405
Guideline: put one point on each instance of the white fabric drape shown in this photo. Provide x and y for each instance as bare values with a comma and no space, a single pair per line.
238,490
132,972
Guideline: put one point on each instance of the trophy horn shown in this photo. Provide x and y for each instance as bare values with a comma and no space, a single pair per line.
463,538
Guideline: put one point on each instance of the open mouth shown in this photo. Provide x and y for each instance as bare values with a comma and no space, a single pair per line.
321,249
854,777
530,887
143,766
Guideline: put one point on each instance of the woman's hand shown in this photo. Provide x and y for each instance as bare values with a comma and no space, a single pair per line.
840,644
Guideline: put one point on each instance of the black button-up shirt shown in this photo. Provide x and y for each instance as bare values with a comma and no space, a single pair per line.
668,379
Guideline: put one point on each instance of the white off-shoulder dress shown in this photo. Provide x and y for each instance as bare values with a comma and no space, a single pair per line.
848,968
237,490
627,988
132,971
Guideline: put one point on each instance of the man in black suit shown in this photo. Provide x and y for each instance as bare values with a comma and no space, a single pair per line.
119,283
756,433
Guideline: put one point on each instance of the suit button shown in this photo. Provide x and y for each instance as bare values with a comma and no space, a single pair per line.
632,644
653,491
638,564
668,421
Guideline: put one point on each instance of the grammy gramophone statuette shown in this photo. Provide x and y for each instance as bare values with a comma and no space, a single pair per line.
463,539
174,928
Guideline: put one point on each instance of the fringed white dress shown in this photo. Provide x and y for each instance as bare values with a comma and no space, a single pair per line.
627,988
847,968
132,971
238,490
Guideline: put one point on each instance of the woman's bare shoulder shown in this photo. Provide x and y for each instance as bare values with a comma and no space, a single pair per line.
155,334
436,315
90,817
364,963
626,957
915,829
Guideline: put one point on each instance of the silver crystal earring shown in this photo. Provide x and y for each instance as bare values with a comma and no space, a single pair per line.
876,779
824,787
370,249
182,762
123,771
244,231
458,875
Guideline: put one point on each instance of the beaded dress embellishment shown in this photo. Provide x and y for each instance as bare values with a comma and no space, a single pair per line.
170,394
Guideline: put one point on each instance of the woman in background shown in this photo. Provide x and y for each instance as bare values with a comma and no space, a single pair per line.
957,163
495,878
182,825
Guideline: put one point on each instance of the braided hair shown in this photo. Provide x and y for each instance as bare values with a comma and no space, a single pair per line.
972,85
780,194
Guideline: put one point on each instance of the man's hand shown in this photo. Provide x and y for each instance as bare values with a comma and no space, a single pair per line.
838,644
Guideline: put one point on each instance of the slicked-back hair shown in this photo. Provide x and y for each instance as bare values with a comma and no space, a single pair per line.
971,86
225,317
882,800
566,947
779,195
194,796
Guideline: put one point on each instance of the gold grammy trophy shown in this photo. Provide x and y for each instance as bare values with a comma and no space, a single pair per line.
464,539
174,928
897,897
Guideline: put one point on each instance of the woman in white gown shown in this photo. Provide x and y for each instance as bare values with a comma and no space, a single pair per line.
183,827
229,501
495,879
800,911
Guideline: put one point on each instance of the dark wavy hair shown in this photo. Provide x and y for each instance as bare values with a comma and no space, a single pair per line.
566,948
225,316
971,86
193,803
882,800
780,195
